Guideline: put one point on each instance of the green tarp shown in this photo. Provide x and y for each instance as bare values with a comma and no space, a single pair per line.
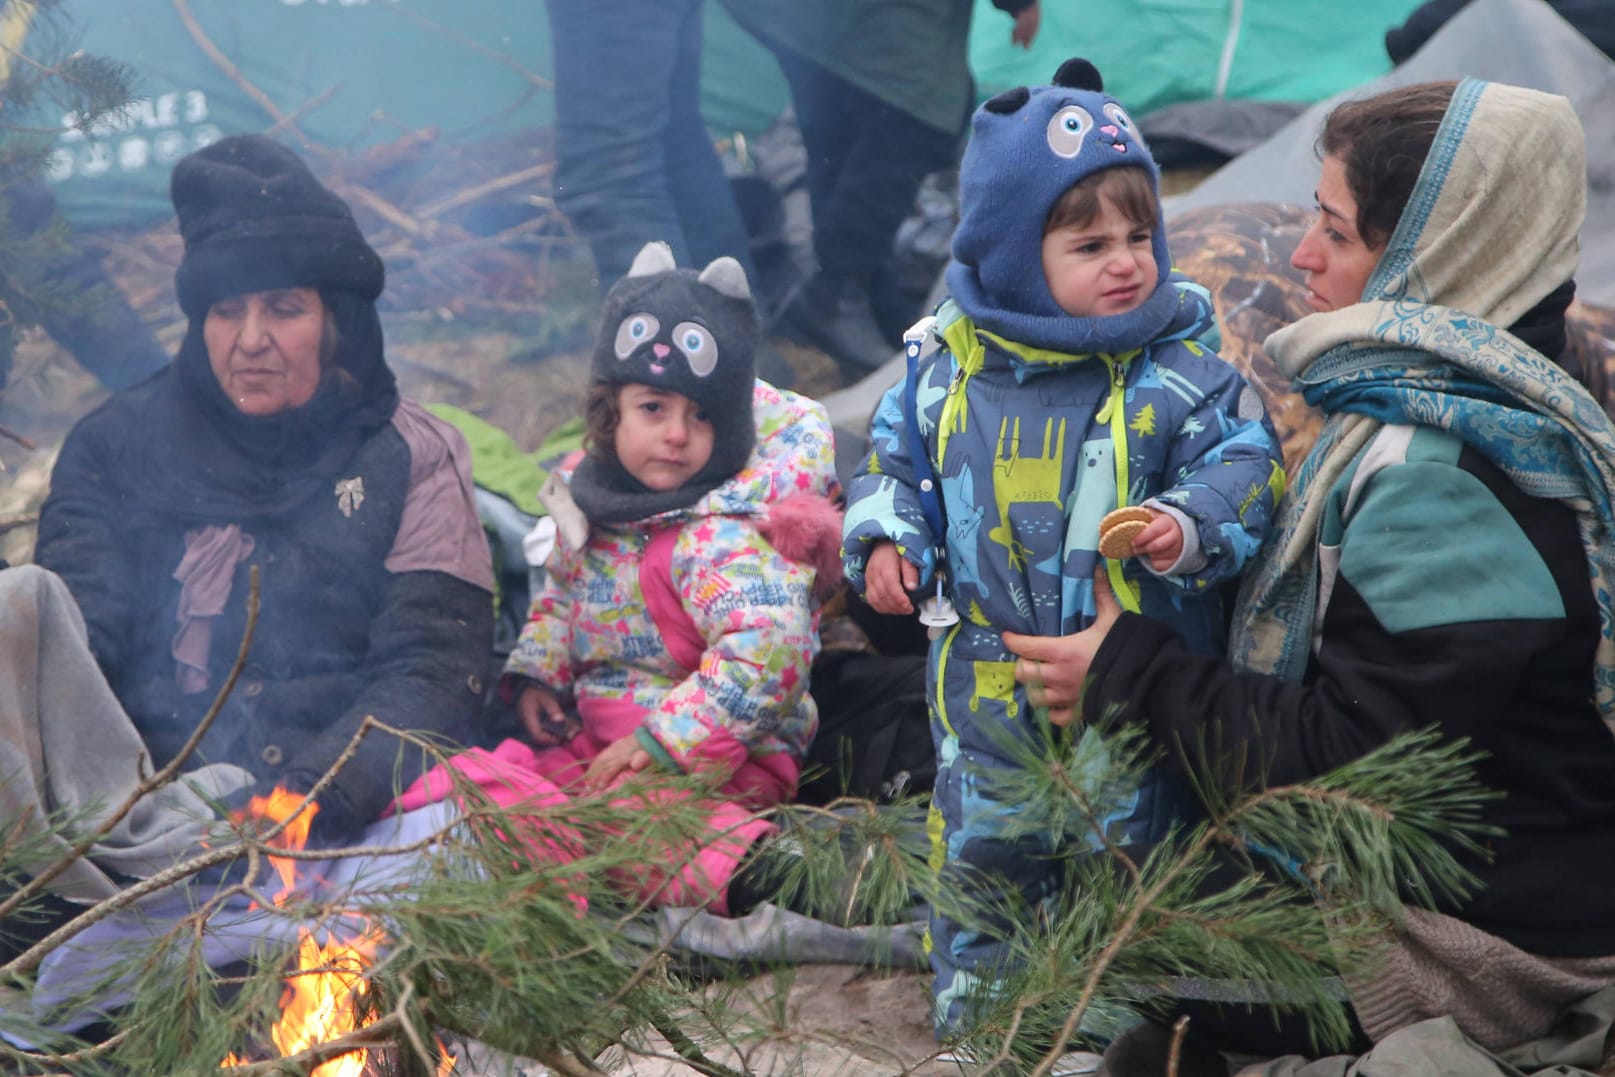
1158,52
1150,52
353,73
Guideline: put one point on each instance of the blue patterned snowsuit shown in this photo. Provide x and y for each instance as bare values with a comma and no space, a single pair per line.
1030,447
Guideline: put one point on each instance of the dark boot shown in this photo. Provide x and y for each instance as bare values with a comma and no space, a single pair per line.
1144,1049
833,313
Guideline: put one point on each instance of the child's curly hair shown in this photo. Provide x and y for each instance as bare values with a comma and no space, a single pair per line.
600,418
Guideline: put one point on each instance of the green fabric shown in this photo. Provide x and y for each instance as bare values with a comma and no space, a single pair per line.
1410,584
1157,52
912,54
498,464
1151,52
338,66
349,71
742,88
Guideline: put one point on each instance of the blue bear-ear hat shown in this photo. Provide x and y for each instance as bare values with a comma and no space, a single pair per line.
1079,74
1028,145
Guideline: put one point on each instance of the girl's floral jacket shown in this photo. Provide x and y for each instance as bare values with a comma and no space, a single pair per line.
604,633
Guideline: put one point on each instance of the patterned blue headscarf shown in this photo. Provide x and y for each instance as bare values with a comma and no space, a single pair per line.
1410,354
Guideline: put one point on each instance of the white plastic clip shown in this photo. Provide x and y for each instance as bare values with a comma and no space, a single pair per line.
918,339
937,613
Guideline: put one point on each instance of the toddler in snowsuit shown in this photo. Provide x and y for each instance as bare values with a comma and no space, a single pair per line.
1039,402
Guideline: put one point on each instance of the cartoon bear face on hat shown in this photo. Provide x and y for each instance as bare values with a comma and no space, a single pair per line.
1028,146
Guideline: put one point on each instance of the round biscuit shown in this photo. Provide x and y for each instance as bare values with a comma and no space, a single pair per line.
1126,512
1116,541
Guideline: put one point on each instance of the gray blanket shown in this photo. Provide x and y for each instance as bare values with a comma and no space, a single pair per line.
1436,1048
69,752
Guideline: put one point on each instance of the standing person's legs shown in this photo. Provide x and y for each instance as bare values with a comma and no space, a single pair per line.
706,205
886,164
633,162
866,160
826,124
885,160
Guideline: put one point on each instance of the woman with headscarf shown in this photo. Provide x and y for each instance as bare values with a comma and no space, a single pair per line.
1444,559
277,442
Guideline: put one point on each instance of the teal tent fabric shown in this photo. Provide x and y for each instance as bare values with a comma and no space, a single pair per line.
1151,52
353,73
356,73
1157,52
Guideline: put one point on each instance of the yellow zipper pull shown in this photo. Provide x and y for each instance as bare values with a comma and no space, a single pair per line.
1117,384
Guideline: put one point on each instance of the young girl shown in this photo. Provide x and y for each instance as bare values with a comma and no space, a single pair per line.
675,629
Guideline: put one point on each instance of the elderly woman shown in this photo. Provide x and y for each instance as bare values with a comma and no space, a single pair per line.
275,441
1445,555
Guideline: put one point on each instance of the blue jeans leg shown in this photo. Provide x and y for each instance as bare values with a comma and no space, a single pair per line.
634,160
866,160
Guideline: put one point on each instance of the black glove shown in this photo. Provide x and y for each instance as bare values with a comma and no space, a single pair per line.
337,823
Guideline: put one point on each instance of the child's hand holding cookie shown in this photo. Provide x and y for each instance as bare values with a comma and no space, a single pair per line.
1136,531
1161,541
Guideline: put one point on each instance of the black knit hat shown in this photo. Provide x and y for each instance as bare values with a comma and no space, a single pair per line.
254,217
689,333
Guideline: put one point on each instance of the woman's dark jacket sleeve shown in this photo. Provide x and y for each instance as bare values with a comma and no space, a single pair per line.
1461,603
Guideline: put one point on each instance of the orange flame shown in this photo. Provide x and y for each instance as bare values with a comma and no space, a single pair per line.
321,999
280,805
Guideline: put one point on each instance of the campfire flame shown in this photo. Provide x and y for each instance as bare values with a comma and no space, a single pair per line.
280,805
321,1001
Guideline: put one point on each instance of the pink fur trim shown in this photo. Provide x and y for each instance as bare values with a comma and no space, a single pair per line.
806,528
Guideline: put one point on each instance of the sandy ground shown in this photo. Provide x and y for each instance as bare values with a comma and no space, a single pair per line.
808,1021
825,1021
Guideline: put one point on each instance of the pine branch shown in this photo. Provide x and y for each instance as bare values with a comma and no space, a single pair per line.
688,1051
1174,1051
378,1034
1127,927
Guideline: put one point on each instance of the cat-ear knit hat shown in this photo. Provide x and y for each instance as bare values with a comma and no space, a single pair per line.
690,333
724,306
254,217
